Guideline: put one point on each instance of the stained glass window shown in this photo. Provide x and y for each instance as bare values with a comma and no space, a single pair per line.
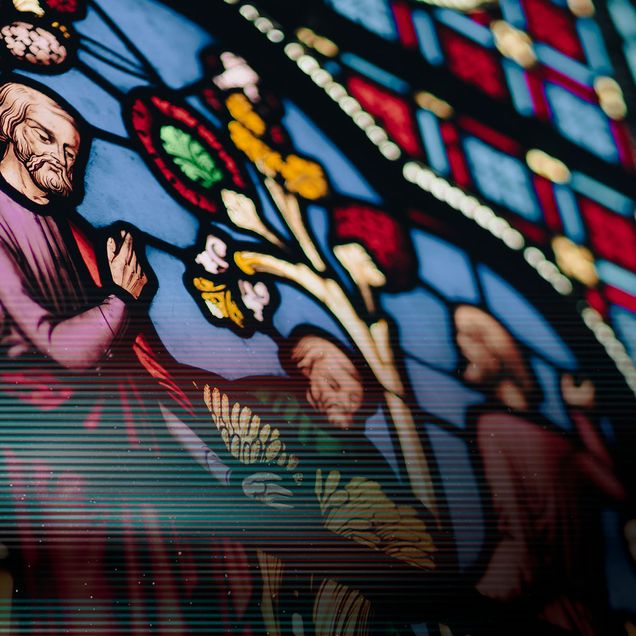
293,343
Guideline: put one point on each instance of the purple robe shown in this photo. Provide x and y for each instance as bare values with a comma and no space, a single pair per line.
546,495
83,440
47,306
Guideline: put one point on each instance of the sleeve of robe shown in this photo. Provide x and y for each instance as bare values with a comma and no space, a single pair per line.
78,342
534,481
511,569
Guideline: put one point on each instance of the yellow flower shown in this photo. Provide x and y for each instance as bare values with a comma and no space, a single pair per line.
268,161
219,301
304,177
271,163
241,109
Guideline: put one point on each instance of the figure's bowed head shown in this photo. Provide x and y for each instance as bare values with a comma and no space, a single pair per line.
493,359
42,143
334,385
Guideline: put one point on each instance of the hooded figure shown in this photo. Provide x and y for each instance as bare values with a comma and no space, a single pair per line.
546,489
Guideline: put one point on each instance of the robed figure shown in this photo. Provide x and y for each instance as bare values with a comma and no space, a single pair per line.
546,488
94,410
104,438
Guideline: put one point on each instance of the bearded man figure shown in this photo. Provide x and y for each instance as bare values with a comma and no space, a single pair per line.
91,408
44,290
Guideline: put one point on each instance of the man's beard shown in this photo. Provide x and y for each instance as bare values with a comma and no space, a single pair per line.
46,171
50,175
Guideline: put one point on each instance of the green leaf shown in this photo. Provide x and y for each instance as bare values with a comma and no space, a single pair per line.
190,156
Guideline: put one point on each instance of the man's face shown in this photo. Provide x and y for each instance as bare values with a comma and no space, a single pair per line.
47,143
335,388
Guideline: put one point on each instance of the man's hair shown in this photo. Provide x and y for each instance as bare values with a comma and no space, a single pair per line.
14,105
15,100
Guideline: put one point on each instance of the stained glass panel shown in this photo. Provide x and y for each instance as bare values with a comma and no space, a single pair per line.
294,345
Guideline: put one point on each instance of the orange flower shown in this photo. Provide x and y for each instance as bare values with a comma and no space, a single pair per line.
240,108
304,177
